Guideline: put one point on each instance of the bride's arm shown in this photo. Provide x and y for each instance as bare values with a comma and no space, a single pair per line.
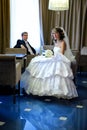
63,47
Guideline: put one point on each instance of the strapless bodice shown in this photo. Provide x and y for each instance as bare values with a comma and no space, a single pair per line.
56,50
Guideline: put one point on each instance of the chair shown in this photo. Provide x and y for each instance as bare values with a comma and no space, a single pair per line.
84,50
50,47
74,64
82,64
15,50
18,51
10,73
29,58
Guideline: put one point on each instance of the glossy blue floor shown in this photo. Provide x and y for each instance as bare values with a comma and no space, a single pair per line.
45,113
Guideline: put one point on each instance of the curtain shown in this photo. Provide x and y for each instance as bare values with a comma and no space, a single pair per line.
41,22
4,25
74,21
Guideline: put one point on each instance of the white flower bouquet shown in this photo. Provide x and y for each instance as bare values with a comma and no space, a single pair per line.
48,53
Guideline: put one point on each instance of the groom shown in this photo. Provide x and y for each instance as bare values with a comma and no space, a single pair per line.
25,44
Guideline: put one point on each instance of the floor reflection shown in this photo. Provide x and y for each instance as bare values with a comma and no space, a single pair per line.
45,113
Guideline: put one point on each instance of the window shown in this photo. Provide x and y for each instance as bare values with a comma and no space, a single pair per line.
25,17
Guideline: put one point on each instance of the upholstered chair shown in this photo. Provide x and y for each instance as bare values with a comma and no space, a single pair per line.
10,73
83,60
18,51
82,64
29,58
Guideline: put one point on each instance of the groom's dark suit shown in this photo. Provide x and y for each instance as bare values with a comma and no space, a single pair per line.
22,42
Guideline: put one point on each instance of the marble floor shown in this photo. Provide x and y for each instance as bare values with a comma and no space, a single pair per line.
45,113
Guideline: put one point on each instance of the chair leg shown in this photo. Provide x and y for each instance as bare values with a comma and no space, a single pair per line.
19,88
14,94
74,80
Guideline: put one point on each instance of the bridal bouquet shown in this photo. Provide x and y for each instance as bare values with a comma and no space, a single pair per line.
48,53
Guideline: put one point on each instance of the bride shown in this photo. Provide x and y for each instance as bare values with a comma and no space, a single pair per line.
52,75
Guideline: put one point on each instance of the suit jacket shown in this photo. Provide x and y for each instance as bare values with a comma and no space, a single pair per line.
22,42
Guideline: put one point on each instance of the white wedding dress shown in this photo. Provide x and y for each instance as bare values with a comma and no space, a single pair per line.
50,76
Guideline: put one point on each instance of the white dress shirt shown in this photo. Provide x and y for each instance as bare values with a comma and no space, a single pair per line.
29,48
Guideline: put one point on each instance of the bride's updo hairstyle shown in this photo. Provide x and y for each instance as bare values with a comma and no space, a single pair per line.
60,31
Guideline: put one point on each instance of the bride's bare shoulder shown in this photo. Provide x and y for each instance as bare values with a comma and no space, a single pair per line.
63,43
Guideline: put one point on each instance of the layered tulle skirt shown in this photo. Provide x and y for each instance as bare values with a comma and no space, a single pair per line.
49,77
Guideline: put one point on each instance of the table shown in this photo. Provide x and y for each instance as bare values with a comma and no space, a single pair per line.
18,56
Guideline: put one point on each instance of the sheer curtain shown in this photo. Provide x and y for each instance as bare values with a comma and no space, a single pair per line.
25,17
